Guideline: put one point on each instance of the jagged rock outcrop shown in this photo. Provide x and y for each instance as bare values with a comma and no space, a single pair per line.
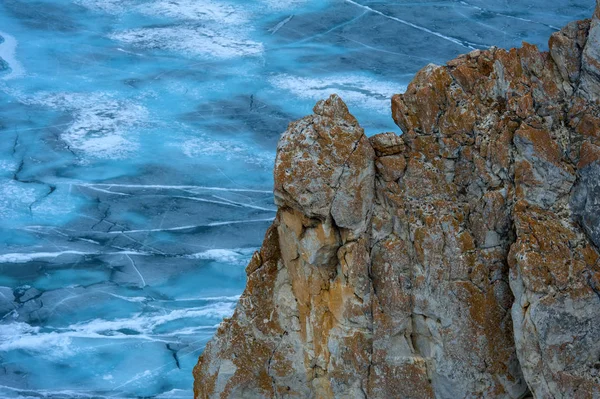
459,260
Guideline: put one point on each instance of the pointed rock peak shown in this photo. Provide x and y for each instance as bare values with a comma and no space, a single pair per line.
334,108
322,164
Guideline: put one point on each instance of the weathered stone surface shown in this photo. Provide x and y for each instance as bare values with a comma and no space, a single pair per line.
566,47
388,143
590,81
324,165
457,261
586,200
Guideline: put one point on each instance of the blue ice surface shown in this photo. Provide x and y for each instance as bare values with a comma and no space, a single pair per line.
138,139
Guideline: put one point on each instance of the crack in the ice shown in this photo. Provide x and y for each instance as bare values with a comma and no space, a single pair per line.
190,227
173,187
387,51
341,25
462,43
15,144
137,270
280,25
51,187
508,16
141,243
18,170
102,218
174,354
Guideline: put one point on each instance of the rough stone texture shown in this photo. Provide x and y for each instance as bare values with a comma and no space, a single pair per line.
324,167
459,260
590,81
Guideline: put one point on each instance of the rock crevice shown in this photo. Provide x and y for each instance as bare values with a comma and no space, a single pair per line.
457,260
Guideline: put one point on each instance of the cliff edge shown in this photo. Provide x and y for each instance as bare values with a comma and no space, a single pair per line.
459,260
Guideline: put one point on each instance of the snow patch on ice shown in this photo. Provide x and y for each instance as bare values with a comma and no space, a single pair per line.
101,125
191,10
195,10
205,146
359,91
191,41
106,6
239,257
14,197
7,166
22,336
283,4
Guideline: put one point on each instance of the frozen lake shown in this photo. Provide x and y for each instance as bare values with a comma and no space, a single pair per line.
138,139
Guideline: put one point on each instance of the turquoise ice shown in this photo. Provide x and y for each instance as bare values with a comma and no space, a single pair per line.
138,139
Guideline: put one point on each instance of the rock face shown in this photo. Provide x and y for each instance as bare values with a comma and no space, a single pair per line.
459,260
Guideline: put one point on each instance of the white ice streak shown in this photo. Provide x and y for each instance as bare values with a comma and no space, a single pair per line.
225,202
19,335
24,257
137,270
8,53
101,190
192,226
280,25
172,187
191,41
58,342
359,91
483,10
228,222
133,299
174,394
245,205
233,298
461,43
61,393
237,257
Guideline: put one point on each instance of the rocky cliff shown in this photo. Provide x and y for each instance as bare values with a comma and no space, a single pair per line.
459,260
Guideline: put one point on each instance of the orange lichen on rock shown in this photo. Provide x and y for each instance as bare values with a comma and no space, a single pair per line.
457,260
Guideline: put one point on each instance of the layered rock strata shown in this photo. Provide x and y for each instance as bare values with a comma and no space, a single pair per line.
459,260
